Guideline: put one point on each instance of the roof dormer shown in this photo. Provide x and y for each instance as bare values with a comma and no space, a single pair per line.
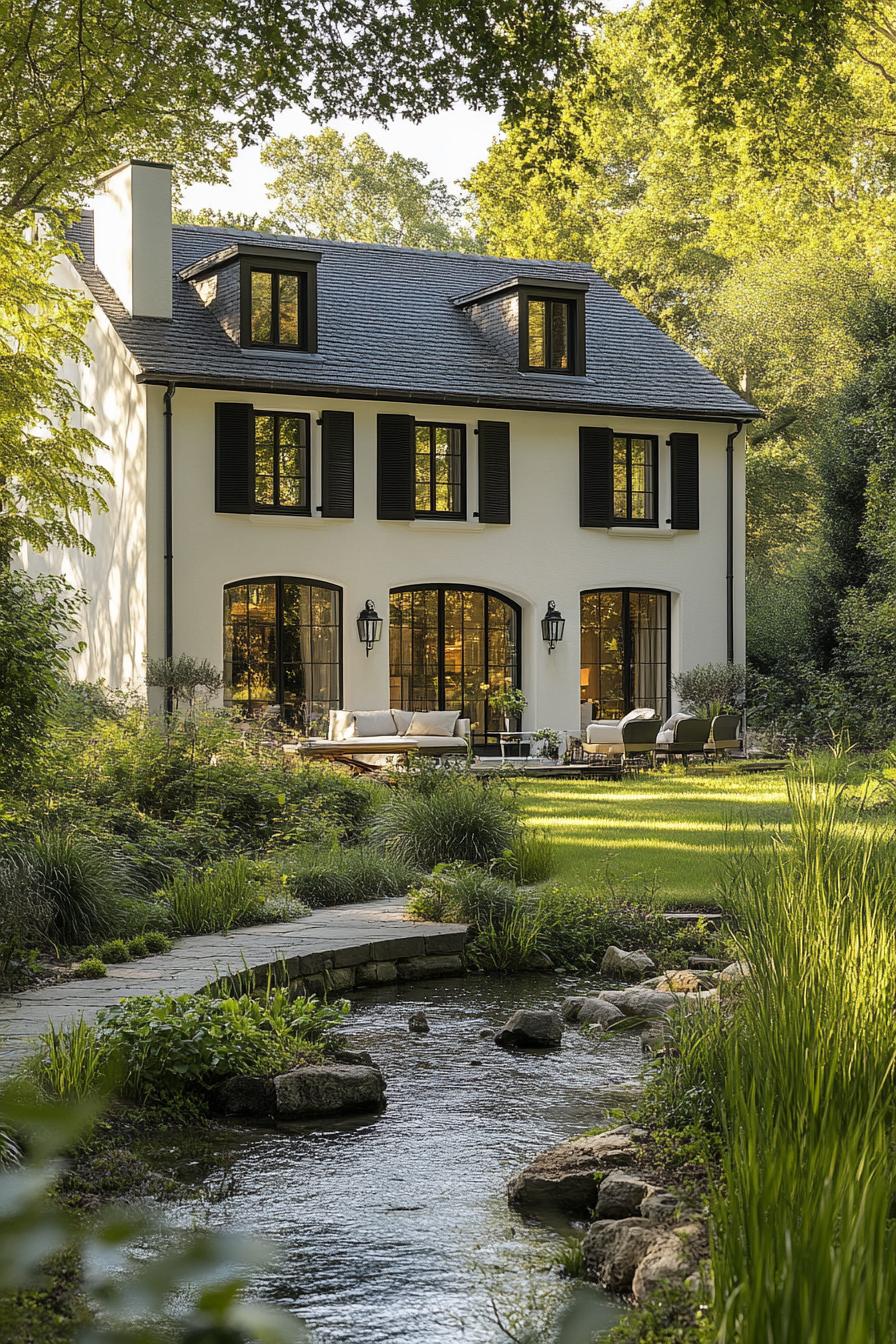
536,322
264,297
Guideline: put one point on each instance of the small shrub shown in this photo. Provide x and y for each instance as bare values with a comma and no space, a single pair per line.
114,951
461,893
459,819
226,896
137,948
156,942
528,859
711,688
328,877
91,968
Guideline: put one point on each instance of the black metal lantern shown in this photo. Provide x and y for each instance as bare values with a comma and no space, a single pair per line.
370,626
552,626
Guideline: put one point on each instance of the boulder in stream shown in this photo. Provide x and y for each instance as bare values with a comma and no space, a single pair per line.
328,1089
563,1177
618,964
531,1026
419,1023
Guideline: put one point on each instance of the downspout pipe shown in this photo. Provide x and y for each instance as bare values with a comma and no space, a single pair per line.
729,537
169,535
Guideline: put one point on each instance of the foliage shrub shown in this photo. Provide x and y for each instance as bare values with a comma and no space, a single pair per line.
91,968
114,951
156,942
711,688
152,1049
185,790
457,818
137,948
529,858
24,913
227,895
37,618
322,877
569,926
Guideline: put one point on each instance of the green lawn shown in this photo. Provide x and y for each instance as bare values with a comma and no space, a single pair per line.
666,827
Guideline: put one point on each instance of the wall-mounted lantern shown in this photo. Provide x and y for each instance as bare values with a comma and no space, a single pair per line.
552,626
370,626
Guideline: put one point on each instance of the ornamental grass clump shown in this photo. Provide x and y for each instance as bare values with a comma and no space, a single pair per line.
802,1077
227,895
86,885
314,878
460,818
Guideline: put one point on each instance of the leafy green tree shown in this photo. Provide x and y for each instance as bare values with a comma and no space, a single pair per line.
37,617
330,187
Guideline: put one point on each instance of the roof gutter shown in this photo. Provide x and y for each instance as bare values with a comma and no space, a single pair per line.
729,536
341,392
169,535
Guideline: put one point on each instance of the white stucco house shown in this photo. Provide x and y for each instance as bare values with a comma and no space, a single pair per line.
297,428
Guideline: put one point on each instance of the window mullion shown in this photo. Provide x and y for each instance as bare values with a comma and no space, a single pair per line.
628,480
432,468
275,307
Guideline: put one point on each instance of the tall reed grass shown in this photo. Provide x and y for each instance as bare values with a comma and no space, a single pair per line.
802,1081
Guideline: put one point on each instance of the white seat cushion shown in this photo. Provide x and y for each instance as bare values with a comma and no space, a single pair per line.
402,719
637,715
605,733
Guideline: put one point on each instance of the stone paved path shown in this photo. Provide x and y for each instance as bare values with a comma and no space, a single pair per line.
375,931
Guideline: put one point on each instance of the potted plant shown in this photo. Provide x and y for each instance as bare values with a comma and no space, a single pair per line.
549,740
508,702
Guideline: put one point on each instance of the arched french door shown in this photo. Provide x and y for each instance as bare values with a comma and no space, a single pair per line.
447,642
283,646
625,636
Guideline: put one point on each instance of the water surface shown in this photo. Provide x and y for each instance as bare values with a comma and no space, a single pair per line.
396,1229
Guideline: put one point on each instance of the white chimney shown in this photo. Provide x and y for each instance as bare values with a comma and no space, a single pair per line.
132,235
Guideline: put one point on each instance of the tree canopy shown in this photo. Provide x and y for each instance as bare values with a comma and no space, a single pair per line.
329,187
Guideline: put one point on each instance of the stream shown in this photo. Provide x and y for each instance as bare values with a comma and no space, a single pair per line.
396,1229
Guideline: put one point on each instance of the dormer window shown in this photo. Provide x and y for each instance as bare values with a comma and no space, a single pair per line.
552,332
551,335
278,299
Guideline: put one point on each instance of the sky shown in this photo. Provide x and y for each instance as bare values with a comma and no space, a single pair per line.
450,143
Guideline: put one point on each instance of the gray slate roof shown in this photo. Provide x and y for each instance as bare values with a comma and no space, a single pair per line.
388,328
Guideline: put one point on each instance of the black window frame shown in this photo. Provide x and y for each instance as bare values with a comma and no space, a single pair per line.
575,301
483,736
628,666
432,512
303,511
626,520
278,580
275,267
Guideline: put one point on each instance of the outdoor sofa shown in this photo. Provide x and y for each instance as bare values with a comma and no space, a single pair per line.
375,737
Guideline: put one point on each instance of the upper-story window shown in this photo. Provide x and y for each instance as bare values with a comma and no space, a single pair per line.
440,471
278,299
634,479
278,308
552,331
282,477
551,334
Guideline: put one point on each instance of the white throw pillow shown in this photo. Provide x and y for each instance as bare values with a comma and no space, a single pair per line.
374,723
637,715
342,725
402,719
433,723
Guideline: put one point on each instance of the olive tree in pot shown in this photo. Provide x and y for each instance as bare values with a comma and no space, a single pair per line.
711,688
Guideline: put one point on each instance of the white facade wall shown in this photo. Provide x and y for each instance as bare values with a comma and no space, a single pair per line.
543,554
114,622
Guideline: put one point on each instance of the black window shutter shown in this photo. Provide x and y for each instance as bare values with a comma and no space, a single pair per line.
337,464
494,471
234,447
395,466
595,477
685,449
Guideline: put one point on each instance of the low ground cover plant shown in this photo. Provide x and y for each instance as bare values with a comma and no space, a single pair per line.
151,1049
